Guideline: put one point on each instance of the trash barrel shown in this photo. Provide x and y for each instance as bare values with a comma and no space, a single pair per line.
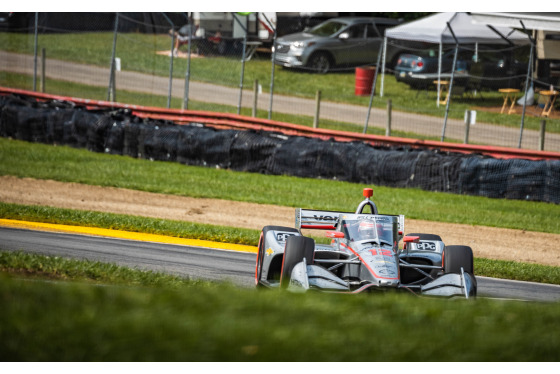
364,80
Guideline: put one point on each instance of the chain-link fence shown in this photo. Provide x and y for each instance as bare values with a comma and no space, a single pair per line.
154,59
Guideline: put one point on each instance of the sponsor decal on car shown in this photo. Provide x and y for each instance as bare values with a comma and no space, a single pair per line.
282,236
426,246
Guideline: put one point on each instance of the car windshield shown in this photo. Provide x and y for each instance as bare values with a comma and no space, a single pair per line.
376,229
327,28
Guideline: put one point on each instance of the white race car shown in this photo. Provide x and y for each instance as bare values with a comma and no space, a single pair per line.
363,255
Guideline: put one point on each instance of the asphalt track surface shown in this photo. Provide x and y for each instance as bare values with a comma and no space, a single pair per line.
202,262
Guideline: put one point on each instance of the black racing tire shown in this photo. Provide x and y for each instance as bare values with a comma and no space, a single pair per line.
297,248
426,236
320,62
456,257
261,249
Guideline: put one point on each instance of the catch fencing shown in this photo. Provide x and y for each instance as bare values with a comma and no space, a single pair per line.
128,57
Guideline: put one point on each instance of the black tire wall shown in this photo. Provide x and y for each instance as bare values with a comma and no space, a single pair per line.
120,132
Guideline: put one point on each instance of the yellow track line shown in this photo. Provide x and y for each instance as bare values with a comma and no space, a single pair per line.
125,235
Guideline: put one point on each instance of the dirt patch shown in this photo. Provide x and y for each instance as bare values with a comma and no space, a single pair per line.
179,54
486,242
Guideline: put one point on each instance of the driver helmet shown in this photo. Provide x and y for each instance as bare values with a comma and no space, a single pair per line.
366,230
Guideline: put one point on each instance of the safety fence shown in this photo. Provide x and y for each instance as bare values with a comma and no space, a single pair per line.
126,58
120,132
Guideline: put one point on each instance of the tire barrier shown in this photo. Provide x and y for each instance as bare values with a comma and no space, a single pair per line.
120,132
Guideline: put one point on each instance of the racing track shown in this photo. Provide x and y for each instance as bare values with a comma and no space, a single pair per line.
204,263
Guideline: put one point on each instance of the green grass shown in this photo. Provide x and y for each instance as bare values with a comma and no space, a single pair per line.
85,311
517,271
137,52
67,164
180,229
33,266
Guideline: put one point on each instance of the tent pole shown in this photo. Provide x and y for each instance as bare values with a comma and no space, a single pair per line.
383,69
529,68
373,89
450,83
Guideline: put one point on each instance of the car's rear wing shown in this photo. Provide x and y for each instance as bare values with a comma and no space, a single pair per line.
317,219
327,220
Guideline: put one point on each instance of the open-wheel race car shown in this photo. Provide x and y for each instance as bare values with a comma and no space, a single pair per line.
363,255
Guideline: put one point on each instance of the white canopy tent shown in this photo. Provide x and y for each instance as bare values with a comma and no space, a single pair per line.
435,29
533,21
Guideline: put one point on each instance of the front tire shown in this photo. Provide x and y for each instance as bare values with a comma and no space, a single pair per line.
297,248
261,249
320,62
456,257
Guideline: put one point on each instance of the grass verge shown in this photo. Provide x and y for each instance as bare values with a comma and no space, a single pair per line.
61,163
153,317
179,229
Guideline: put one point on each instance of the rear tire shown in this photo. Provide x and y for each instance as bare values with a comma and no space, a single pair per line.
456,257
297,248
260,253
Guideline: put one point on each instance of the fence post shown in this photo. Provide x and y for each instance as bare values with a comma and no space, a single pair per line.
111,94
188,72
542,134
272,57
317,107
467,126
35,52
170,60
242,62
255,97
43,63
389,119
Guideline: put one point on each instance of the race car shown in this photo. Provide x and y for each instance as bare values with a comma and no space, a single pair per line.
363,255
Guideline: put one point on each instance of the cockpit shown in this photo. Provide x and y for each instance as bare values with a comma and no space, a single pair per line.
380,230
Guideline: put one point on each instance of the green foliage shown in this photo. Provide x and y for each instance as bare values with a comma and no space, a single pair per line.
154,317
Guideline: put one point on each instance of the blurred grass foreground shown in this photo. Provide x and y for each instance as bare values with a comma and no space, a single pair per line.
83,311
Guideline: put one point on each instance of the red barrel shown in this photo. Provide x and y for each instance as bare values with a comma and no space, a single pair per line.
364,80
